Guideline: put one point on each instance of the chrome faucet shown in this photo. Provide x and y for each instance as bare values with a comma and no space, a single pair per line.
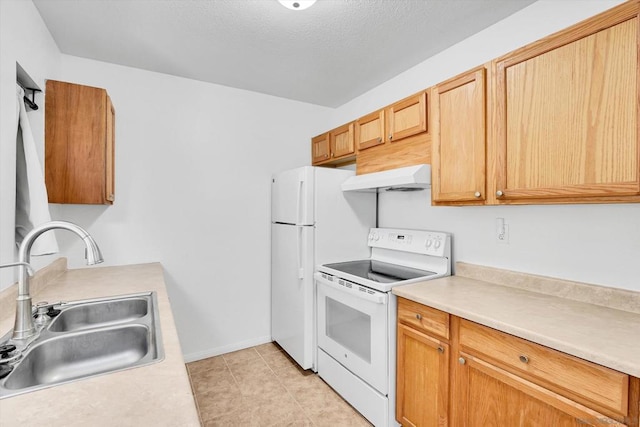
20,264
24,327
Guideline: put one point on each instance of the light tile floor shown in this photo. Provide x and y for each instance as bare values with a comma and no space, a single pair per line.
263,386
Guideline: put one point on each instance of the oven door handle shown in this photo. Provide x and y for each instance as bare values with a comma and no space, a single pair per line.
357,291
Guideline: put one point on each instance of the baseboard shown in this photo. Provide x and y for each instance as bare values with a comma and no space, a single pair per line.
192,357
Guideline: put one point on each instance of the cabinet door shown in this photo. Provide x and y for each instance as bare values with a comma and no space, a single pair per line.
485,395
407,117
459,138
370,130
76,143
567,113
110,191
320,148
342,141
422,379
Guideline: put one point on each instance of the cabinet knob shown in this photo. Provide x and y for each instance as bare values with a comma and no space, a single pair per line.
499,193
440,350
418,316
462,361
524,359
111,197
379,139
390,137
477,194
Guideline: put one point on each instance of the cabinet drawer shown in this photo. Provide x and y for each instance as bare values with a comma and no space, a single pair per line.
423,318
563,373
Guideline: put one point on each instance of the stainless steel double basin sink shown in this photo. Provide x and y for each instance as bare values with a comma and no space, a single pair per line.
89,338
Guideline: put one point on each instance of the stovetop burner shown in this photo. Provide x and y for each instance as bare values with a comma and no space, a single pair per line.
379,271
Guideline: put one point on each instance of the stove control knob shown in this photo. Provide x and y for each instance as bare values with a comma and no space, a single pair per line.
437,244
376,237
429,243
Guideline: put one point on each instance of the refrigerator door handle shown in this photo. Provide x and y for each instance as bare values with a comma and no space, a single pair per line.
299,203
299,253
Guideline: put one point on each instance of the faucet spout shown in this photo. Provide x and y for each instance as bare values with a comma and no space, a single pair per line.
24,327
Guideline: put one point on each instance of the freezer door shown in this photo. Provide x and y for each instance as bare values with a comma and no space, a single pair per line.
292,196
292,291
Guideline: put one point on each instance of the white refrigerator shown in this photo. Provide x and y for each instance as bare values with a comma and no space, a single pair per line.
312,222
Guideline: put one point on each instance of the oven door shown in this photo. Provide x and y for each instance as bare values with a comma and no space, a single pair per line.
353,328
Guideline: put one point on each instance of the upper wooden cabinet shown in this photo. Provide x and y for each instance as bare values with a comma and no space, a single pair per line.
395,136
458,138
566,114
556,121
407,117
341,140
370,130
320,148
334,147
79,144
396,122
553,122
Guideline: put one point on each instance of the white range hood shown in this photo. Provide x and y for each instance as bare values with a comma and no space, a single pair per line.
409,178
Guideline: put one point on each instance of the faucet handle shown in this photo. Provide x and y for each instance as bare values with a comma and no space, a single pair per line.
6,358
41,313
6,349
37,308
53,312
43,307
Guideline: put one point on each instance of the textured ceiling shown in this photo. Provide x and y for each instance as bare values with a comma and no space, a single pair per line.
326,55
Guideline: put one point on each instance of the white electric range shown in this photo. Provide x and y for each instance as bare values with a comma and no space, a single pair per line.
356,315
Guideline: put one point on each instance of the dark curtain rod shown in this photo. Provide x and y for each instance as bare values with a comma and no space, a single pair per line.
31,103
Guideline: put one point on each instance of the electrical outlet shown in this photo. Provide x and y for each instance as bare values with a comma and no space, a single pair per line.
504,236
502,231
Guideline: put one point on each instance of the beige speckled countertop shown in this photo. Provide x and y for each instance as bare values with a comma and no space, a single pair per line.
158,394
595,323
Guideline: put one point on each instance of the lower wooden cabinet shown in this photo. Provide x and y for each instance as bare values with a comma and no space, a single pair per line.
422,383
587,383
486,396
423,379
451,371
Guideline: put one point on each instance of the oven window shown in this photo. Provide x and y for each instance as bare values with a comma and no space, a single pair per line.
349,327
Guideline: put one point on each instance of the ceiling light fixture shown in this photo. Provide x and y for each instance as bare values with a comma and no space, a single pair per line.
297,4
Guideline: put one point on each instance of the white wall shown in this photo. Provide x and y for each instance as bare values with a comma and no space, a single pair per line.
24,39
589,243
597,244
193,168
